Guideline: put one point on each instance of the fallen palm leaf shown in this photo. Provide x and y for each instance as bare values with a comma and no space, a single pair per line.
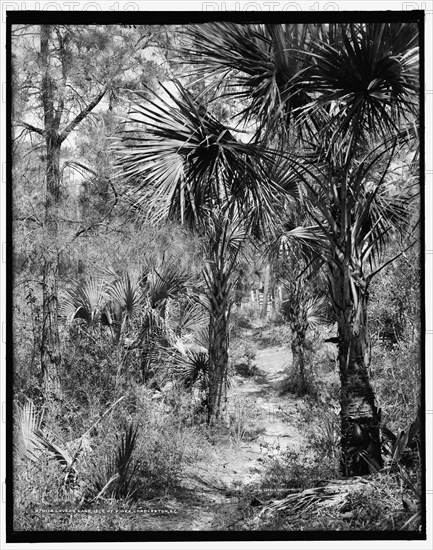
333,494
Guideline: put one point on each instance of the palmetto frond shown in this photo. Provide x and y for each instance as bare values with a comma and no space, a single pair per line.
314,307
125,295
32,443
333,82
84,301
384,204
166,280
187,162
304,301
365,76
263,65
117,478
201,338
191,363
190,317
28,442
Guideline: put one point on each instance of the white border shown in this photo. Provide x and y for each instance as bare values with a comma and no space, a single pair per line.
230,5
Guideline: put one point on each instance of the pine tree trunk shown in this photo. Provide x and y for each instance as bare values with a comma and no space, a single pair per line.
360,418
50,342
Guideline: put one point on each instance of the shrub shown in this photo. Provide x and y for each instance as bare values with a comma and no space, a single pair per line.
292,470
243,318
294,384
242,357
244,417
396,378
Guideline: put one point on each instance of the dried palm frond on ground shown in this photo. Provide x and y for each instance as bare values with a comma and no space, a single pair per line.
332,494
352,503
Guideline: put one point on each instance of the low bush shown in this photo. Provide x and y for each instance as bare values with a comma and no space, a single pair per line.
242,318
241,360
396,378
294,384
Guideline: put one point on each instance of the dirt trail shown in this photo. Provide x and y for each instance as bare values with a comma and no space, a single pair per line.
258,398
262,424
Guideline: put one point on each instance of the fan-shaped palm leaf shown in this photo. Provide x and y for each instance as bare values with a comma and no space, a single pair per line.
28,442
263,64
201,338
84,301
314,307
191,364
189,162
366,77
190,317
166,280
117,478
125,295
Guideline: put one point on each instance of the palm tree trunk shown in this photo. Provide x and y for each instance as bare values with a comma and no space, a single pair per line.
298,354
360,418
218,361
217,278
266,287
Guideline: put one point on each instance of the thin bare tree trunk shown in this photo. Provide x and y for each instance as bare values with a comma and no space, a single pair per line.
52,95
50,343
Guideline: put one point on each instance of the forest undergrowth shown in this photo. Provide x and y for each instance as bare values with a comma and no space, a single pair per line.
115,453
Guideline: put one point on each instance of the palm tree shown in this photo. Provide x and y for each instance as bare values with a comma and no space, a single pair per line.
303,309
192,169
340,101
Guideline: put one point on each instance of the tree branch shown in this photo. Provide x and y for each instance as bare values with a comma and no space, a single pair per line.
389,262
31,127
81,116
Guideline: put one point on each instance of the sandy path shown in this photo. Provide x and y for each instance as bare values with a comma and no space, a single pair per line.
259,398
262,425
